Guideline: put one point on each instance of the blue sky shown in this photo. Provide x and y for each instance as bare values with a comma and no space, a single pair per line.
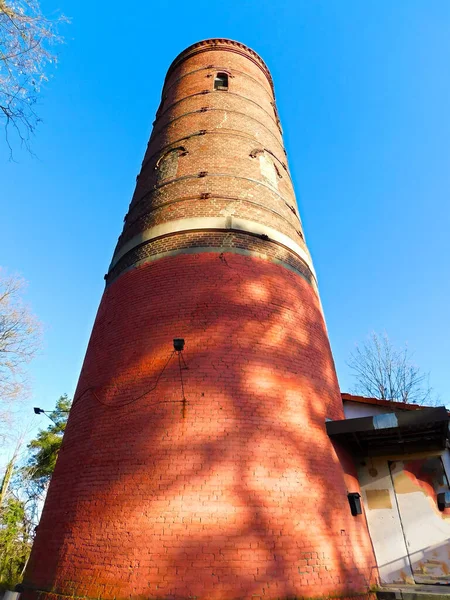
363,91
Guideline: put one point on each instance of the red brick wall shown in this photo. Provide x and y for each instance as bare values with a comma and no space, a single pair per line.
236,492
244,494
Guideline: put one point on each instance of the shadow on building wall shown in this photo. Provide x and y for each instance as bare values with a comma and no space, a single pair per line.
239,494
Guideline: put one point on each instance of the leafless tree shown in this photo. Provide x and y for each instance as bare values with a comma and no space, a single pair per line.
383,372
20,335
27,39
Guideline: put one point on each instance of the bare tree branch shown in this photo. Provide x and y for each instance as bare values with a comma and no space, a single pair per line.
381,371
27,39
20,336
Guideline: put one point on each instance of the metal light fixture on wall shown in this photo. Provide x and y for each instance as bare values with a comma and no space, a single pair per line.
178,344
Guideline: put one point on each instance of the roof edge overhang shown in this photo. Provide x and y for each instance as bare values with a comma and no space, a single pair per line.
399,432
390,404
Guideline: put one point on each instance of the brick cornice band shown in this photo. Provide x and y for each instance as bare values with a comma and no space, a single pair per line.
211,224
222,44
225,243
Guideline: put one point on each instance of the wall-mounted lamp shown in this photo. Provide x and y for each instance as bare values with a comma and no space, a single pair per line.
47,413
354,499
178,344
38,411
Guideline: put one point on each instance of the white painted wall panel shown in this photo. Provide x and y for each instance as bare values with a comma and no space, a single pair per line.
384,522
426,529
354,410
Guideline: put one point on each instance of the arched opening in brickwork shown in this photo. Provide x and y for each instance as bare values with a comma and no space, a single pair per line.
267,166
167,165
221,81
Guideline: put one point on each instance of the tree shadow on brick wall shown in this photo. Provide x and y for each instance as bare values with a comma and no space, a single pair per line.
239,495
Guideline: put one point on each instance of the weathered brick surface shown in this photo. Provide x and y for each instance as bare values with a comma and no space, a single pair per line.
166,208
221,241
236,492
218,137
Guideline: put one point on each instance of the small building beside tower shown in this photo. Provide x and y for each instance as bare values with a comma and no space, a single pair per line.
401,453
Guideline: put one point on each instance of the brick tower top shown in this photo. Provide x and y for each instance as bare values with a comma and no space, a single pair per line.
215,173
223,44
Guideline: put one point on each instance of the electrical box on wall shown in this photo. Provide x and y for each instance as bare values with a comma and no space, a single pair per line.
443,500
354,499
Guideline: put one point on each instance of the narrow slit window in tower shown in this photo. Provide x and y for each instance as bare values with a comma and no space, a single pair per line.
221,81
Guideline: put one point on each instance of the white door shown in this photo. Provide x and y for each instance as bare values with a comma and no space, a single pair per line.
426,529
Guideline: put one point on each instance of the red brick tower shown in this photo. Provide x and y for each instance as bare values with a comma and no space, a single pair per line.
236,491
